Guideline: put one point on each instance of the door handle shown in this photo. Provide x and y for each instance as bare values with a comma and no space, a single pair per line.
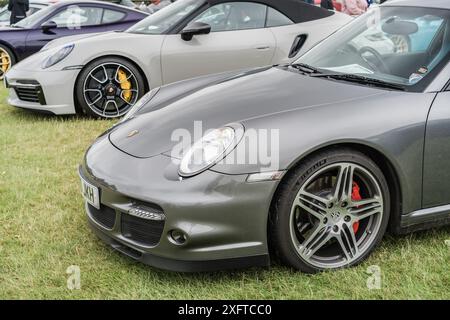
262,48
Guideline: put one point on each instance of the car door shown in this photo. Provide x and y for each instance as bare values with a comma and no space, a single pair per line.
69,20
238,39
436,181
436,167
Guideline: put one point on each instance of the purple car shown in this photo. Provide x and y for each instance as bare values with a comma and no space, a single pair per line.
62,19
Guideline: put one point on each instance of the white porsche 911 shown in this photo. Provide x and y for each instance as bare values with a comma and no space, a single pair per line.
104,75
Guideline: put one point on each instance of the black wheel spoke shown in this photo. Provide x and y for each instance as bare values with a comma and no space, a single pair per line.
110,90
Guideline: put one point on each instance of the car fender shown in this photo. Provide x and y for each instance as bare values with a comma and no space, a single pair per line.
391,123
142,50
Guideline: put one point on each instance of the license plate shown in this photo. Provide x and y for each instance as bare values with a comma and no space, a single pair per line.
90,193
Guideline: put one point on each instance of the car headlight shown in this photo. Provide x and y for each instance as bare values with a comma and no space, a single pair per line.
211,149
57,56
146,98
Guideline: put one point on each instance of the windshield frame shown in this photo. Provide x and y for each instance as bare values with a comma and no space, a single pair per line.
178,26
422,86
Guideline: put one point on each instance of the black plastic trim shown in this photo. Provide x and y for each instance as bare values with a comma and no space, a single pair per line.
29,85
298,44
425,219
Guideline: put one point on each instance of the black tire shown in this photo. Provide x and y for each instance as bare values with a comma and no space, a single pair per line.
82,81
281,243
12,58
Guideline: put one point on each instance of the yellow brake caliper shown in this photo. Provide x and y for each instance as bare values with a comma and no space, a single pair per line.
4,58
125,85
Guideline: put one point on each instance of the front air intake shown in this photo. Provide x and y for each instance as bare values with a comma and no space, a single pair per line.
143,231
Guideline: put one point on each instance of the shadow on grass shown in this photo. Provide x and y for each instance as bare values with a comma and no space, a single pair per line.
416,236
262,272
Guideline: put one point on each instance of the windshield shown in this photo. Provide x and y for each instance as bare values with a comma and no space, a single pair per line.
404,46
4,14
164,19
31,21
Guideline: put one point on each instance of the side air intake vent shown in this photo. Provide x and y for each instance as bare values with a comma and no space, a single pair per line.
297,45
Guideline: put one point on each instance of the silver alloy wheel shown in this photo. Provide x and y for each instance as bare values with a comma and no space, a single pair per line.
5,62
110,90
324,215
401,44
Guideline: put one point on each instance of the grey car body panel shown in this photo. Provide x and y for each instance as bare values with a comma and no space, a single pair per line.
440,81
235,99
178,265
224,216
436,182
361,116
202,208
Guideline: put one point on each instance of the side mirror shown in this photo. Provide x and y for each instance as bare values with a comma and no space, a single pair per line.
194,29
47,26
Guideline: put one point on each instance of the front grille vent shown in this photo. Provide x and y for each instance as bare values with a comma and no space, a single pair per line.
30,94
105,216
143,231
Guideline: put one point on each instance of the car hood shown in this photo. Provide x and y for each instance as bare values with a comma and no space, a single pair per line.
10,29
234,99
6,28
102,38
70,39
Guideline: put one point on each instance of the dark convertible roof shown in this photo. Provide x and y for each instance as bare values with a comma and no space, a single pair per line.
297,10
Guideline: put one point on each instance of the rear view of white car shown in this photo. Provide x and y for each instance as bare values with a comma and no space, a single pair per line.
105,75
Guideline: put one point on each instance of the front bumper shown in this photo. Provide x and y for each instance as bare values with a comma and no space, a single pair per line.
223,217
48,91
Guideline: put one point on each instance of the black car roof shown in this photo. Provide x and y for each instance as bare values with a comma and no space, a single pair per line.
297,10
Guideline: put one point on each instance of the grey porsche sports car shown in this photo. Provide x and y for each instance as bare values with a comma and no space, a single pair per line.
309,163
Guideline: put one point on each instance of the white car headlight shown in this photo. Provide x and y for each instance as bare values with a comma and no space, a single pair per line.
146,98
209,150
57,56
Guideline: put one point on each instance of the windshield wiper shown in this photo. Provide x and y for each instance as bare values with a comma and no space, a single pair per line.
360,79
305,68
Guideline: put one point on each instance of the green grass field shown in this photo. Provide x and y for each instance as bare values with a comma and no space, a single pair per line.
43,231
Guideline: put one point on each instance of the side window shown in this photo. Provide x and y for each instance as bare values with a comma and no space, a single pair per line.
33,10
276,19
428,29
78,16
111,16
234,16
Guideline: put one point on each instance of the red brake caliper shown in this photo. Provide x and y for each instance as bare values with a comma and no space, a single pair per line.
356,196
